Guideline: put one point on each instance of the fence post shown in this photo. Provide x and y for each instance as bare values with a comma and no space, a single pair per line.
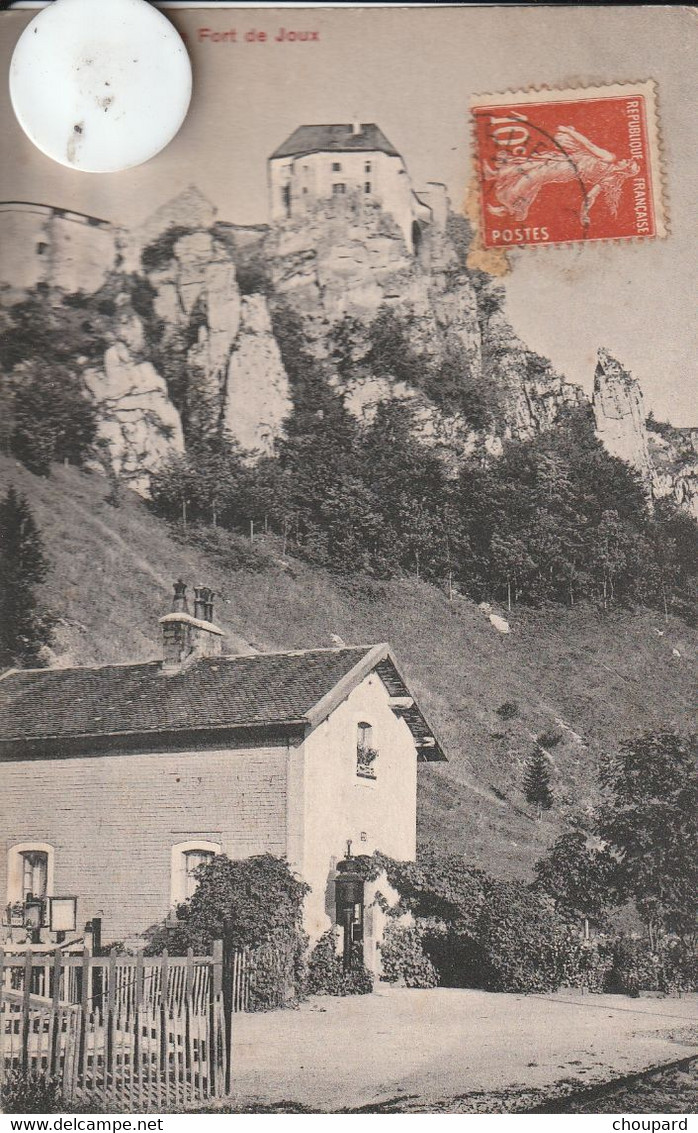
215,1036
26,1002
136,1068
85,990
164,1034
188,1042
2,1013
111,1002
228,960
55,1014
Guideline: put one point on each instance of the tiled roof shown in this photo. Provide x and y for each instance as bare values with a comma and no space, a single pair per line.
336,138
216,692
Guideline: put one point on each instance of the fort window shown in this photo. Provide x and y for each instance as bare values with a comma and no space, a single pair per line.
416,237
41,248
339,189
367,167
367,187
336,167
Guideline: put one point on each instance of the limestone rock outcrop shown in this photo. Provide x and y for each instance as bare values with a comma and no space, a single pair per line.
666,457
257,395
346,261
138,424
620,414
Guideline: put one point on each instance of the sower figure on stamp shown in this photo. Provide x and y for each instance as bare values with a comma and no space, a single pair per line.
519,180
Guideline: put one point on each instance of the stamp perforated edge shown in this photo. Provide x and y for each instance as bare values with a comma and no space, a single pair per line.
647,88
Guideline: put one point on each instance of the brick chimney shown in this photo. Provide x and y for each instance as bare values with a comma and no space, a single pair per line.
187,639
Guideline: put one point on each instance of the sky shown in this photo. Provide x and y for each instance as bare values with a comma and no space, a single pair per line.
414,71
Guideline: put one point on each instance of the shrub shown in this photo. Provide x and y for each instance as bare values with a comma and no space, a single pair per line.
31,1091
508,710
252,277
404,959
549,738
583,964
326,975
258,902
158,254
516,940
631,967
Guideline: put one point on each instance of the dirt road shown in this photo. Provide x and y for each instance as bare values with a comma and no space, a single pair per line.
451,1049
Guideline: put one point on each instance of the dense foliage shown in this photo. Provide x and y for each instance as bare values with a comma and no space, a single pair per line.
31,1091
476,930
25,627
580,876
326,975
254,903
403,958
48,413
650,822
553,519
637,848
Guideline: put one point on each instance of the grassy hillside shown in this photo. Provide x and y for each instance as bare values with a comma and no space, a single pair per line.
583,679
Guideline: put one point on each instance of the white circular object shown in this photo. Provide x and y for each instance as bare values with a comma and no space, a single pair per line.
100,85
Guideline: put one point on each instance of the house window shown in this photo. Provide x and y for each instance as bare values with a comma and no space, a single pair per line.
187,858
193,860
336,167
339,189
29,872
366,753
34,873
367,187
367,167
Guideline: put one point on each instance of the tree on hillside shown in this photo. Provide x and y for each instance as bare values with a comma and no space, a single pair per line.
25,629
578,876
53,417
536,784
651,823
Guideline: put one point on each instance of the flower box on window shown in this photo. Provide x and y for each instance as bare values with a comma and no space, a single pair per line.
365,760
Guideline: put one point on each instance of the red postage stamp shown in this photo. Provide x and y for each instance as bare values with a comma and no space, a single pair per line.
566,166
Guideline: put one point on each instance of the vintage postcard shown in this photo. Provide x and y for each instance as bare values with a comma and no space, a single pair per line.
349,577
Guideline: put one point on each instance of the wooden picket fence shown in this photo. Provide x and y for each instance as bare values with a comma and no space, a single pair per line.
134,1034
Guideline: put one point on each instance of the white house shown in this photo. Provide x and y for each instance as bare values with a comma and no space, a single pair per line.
119,781
322,163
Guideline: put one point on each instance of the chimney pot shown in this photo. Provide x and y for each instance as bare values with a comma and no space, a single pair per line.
356,129
203,603
179,601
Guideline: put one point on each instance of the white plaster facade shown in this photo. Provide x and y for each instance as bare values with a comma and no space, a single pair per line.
329,803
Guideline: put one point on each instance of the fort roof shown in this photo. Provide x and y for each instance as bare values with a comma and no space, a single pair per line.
360,137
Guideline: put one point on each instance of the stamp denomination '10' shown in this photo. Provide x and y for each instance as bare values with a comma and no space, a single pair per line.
568,166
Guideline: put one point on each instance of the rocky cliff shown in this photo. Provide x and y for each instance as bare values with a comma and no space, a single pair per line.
666,457
189,338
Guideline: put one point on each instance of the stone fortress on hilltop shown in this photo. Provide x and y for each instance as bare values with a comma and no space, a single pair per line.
348,236
322,163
